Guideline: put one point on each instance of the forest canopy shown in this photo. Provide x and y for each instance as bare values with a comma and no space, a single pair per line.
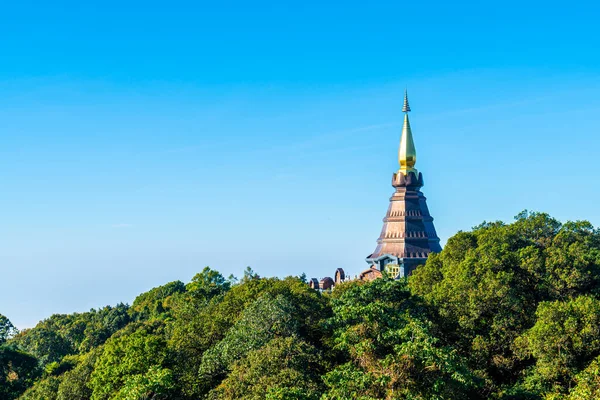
505,311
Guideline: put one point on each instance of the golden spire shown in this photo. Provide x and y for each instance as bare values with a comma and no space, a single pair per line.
407,154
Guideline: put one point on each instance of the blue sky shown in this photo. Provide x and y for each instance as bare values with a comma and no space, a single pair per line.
140,142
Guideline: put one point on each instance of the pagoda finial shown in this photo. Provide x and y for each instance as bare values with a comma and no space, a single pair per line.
407,154
406,106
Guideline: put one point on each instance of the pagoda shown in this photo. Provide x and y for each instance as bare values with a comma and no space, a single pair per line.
408,234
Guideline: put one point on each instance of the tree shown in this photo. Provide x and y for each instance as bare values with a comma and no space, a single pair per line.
74,384
199,325
573,261
265,319
99,325
505,312
47,344
62,335
18,371
249,274
284,368
587,383
564,339
385,337
154,303
7,329
157,383
208,284
43,389
485,284
131,352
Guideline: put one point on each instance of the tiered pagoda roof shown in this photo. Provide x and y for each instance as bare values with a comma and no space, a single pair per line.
408,234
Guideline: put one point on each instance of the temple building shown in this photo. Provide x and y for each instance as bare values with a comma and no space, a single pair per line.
328,283
408,234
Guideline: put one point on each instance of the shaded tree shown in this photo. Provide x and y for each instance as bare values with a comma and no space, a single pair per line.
18,371
284,368
75,384
7,329
587,383
486,284
384,335
44,389
265,319
198,325
564,339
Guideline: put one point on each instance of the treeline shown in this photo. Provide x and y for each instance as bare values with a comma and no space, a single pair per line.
505,311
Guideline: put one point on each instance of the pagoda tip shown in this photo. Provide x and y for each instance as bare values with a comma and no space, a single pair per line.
406,106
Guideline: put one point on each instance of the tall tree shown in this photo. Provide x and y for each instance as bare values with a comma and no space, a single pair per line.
486,285
7,329
563,341
18,371
284,368
389,348
136,353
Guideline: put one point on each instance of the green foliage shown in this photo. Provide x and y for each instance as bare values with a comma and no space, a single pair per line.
486,284
155,302
505,311
62,335
587,383
283,368
249,274
262,321
102,324
7,329
156,383
392,353
46,343
208,284
59,368
564,339
131,352
199,324
18,371
74,384
45,389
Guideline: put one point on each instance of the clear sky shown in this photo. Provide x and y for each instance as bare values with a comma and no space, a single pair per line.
142,141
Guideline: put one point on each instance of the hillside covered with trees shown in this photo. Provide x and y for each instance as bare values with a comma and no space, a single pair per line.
505,311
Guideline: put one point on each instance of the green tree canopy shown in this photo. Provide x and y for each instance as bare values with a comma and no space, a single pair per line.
18,371
391,351
486,285
283,368
138,352
7,329
156,302
563,341
268,317
208,284
504,312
